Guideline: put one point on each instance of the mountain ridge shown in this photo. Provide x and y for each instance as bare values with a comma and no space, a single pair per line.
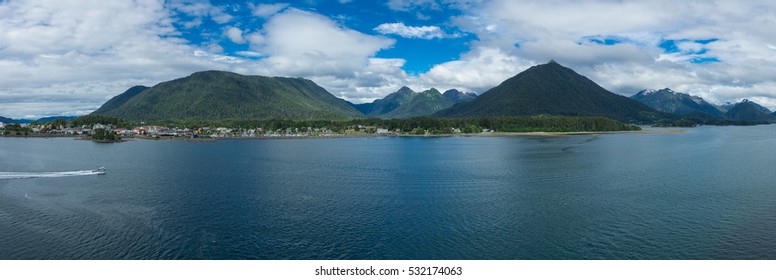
386,104
120,99
43,119
669,101
421,104
457,96
555,90
747,110
406,103
218,95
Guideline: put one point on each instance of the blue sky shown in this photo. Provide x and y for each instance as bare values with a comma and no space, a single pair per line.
69,57
447,43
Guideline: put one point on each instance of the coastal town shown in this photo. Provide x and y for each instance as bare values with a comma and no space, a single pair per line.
102,132
111,129
164,132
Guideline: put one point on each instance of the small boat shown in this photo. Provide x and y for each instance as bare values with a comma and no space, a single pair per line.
100,170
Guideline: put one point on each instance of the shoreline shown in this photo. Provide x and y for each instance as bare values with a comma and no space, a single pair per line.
216,139
487,134
365,136
548,134
668,131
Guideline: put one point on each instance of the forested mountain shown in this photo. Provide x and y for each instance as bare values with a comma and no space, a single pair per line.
389,103
554,90
406,103
457,96
43,119
421,104
669,101
218,95
749,111
119,100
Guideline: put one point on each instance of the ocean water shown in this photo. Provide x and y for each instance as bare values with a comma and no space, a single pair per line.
709,193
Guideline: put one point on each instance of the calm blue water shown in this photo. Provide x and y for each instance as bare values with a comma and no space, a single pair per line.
709,193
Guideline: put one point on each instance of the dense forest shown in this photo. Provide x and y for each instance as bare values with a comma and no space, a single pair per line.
431,124
103,135
225,95
15,129
90,120
417,125
554,90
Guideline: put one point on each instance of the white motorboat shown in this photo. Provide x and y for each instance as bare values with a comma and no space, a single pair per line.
100,170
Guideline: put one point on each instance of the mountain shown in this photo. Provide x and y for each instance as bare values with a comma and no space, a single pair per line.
421,104
758,106
10,120
456,96
119,100
406,103
218,95
726,106
555,90
363,108
52,118
669,101
44,119
749,111
389,103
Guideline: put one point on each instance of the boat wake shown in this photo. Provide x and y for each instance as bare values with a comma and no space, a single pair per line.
26,175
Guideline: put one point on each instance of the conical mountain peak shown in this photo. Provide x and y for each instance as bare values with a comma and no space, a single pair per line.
405,90
555,90
433,90
748,110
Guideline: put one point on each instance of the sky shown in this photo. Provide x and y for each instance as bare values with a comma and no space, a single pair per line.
67,57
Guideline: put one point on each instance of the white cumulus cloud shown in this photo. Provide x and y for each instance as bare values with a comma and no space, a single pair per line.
68,57
542,30
235,35
420,32
267,10
300,43
479,70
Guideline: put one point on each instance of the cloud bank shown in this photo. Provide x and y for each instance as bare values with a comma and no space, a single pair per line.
66,57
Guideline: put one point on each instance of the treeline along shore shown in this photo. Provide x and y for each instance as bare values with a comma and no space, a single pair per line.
106,129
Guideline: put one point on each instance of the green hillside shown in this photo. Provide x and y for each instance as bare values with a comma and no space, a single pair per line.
457,96
406,103
216,95
554,90
119,100
421,104
381,107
